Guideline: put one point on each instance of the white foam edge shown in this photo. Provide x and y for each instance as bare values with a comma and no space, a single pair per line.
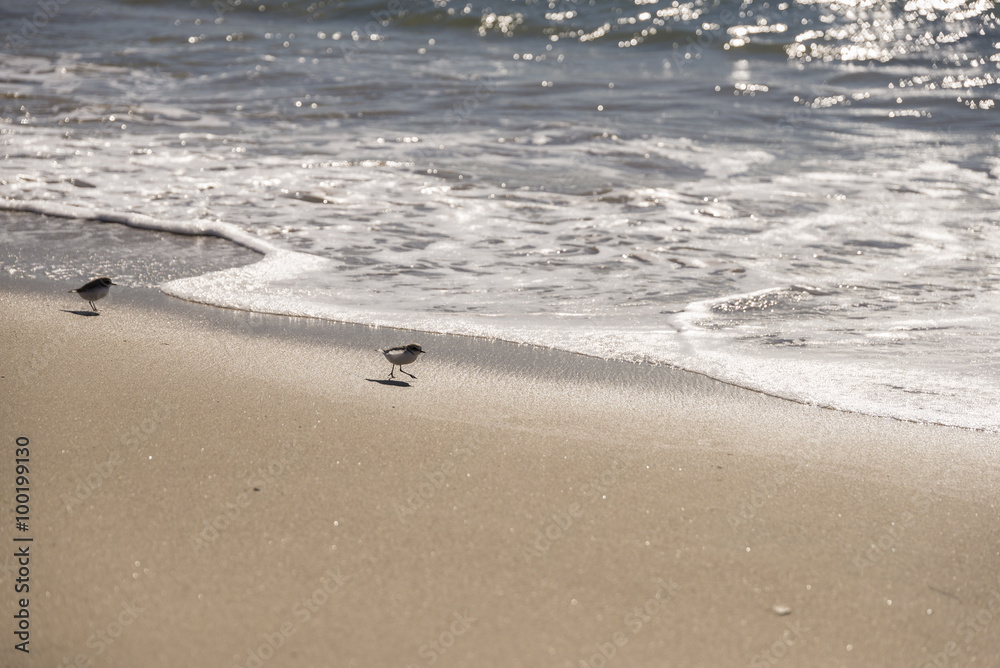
207,228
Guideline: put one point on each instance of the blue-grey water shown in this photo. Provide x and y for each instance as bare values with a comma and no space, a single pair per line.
797,197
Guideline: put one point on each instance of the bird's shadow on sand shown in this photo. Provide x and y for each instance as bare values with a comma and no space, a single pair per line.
389,381
86,313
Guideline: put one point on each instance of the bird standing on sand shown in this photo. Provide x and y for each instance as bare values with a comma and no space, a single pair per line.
401,355
94,290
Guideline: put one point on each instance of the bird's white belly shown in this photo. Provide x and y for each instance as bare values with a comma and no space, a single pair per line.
402,357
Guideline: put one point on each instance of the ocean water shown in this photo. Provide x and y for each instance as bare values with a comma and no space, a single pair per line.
796,197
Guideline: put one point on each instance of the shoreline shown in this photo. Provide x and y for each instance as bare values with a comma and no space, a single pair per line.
225,481
150,266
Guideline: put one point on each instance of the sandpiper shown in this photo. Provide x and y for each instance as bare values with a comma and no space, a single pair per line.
401,355
94,290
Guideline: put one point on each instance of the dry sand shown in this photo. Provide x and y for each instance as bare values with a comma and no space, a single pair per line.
216,488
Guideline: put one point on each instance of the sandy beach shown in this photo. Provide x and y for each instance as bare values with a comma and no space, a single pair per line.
217,488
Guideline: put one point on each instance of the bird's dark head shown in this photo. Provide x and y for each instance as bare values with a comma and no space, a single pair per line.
415,348
105,281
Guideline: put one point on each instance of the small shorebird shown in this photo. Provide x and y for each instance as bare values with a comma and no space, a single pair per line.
94,290
401,355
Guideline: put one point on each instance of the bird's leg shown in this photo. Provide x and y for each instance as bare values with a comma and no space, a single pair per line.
393,369
401,370
93,307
